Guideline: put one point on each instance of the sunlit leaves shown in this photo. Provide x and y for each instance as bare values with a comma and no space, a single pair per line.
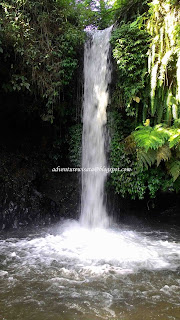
150,138
157,144
163,25
174,140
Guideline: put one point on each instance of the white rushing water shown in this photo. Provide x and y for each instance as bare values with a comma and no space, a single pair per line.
76,273
97,76
89,252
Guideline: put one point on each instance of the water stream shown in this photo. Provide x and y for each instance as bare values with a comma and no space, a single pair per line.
79,270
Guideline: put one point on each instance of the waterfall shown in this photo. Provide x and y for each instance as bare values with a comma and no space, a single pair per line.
97,76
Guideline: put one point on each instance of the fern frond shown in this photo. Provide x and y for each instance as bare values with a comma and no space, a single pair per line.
146,159
173,167
163,153
174,140
177,123
130,145
151,138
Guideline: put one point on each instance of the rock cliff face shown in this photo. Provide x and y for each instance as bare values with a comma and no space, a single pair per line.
32,195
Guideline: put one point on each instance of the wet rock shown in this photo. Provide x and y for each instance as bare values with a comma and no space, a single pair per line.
29,198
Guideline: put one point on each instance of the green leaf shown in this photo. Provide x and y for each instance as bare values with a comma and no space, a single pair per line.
174,169
151,138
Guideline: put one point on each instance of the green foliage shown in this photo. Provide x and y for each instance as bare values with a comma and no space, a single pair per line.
174,140
157,144
105,15
42,39
157,29
174,168
17,83
147,41
75,142
128,10
134,180
96,13
130,45
145,158
150,138
135,176
163,153
163,26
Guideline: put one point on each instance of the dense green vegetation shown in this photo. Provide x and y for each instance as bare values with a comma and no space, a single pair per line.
39,42
146,50
41,61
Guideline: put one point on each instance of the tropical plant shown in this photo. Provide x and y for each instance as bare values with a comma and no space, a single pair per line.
156,144
40,41
164,59
130,45
75,144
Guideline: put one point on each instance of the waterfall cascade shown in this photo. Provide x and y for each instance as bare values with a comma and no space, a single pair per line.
97,76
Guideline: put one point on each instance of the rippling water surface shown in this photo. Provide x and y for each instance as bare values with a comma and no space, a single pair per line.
71,273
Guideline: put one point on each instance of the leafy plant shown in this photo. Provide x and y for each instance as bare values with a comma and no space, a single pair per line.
130,46
42,39
156,144
151,137
75,142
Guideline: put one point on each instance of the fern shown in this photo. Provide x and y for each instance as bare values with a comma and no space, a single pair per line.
146,159
130,145
176,123
150,138
173,167
174,140
163,153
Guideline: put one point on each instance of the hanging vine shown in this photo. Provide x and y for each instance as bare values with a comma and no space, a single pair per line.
163,60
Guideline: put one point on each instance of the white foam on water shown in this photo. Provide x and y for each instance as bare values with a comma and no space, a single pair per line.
80,252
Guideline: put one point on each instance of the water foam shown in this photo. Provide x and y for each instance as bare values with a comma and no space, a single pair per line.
81,252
